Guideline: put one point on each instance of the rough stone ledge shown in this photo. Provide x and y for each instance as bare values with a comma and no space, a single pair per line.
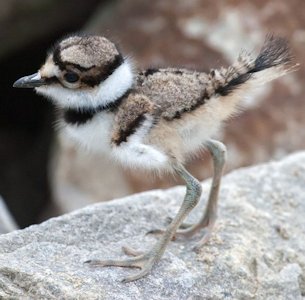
256,252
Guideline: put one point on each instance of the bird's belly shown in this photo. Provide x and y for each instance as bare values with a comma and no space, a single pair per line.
94,135
195,134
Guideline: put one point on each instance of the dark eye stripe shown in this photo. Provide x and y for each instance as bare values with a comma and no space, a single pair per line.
50,80
105,72
57,59
90,80
79,67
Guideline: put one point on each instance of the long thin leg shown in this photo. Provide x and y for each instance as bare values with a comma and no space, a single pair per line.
218,151
147,260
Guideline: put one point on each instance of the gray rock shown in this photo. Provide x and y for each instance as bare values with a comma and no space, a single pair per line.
7,221
256,252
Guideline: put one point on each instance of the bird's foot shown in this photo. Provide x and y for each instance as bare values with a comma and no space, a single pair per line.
187,230
140,260
168,221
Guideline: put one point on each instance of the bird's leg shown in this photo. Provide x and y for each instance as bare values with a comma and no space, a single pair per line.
145,261
218,152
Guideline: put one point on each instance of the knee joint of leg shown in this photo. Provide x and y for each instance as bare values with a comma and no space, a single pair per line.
219,151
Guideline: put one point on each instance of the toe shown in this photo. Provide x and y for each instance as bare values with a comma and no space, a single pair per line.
128,263
139,275
203,241
131,252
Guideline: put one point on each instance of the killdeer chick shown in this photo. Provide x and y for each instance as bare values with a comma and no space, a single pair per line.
154,120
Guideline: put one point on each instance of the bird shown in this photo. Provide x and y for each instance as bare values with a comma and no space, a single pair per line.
154,119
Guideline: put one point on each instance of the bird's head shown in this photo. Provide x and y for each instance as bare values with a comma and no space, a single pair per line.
81,72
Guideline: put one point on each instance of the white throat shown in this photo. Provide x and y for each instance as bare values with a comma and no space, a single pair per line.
108,91
116,84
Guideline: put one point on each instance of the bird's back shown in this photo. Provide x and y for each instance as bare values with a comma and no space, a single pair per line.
174,91
179,91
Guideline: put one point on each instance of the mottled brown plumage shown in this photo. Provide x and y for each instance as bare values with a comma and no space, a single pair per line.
86,51
174,91
131,113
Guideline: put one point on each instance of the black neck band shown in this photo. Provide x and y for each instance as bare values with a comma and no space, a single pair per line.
75,116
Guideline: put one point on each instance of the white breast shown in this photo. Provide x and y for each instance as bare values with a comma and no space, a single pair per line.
94,135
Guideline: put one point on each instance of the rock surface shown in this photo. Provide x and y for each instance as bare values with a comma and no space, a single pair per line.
256,252
7,222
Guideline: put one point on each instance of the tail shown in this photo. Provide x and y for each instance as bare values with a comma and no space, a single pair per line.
274,60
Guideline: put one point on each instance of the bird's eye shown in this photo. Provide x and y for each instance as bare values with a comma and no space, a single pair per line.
71,77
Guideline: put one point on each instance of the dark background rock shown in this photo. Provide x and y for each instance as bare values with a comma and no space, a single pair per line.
28,21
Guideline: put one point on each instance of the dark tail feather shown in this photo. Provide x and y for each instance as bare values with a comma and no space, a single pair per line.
275,52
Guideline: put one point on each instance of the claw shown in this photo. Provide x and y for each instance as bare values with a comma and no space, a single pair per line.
155,231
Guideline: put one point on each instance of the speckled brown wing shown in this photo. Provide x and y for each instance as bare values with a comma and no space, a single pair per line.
130,116
180,91
175,91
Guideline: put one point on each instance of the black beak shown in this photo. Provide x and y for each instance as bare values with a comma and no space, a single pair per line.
30,81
